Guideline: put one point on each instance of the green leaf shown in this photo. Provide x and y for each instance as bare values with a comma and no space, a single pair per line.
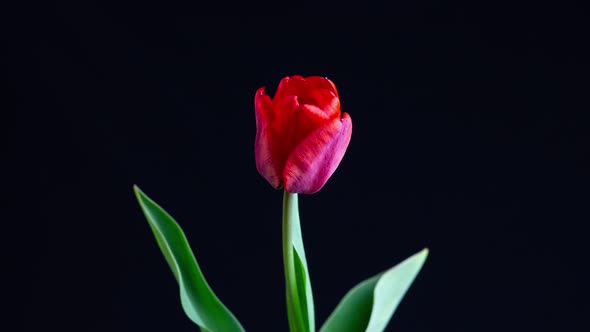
199,302
368,307
301,270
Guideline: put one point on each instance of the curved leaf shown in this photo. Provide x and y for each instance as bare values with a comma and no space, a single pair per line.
368,306
199,302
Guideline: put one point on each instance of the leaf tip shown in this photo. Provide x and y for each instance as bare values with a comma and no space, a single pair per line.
423,254
140,196
138,193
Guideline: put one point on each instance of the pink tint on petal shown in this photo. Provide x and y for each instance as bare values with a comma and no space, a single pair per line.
316,158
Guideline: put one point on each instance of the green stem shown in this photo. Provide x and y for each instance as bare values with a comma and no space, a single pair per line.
295,315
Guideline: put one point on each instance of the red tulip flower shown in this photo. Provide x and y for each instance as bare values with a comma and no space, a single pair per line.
301,136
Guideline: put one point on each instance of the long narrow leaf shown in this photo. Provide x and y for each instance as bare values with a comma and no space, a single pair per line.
301,269
368,307
199,302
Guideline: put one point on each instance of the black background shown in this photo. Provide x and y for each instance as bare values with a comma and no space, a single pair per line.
470,137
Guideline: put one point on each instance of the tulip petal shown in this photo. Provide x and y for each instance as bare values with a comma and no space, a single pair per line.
322,83
297,85
325,100
290,86
284,134
316,158
314,114
265,163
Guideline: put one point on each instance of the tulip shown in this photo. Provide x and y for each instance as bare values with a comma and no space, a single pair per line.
301,136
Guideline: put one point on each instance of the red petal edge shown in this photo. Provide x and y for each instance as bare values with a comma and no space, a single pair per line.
264,161
322,83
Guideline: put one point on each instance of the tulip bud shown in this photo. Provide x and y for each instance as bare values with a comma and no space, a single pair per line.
301,136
